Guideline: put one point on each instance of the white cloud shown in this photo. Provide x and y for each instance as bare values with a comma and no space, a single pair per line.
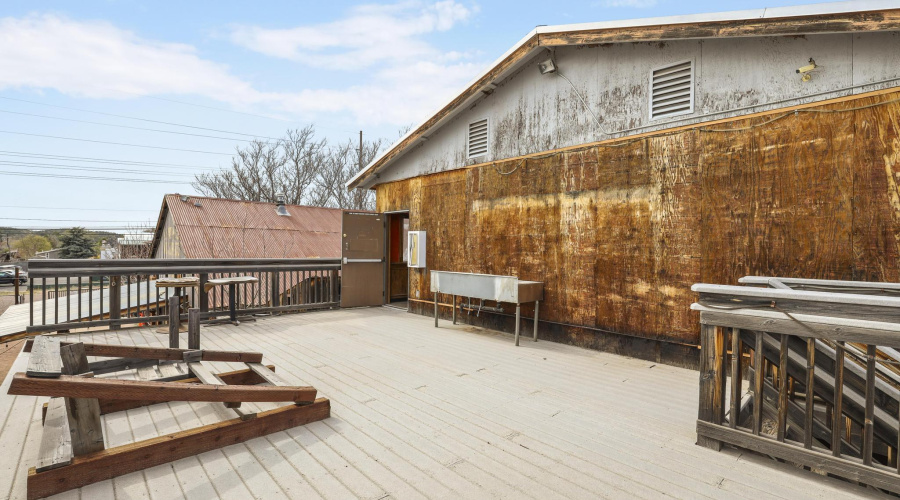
368,36
636,4
91,59
99,60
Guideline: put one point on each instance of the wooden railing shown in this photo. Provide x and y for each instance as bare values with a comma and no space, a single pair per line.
820,370
120,292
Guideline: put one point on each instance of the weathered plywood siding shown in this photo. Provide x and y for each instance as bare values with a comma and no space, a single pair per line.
619,232
169,242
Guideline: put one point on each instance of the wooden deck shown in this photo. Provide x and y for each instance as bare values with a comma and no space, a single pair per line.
419,412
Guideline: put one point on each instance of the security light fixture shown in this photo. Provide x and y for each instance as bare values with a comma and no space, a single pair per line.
806,70
184,198
547,66
197,203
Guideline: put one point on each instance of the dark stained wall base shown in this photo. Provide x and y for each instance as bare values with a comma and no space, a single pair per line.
659,351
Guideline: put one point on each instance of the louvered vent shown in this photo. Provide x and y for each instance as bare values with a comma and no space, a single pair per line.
672,90
478,138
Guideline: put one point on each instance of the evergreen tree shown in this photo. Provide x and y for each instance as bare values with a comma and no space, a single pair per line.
76,244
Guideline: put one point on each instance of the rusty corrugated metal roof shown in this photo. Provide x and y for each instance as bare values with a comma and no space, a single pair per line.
221,228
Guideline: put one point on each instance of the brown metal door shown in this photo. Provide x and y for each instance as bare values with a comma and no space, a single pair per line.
362,252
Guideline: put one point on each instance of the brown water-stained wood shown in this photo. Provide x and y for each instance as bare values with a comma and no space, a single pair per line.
618,232
121,460
79,387
237,377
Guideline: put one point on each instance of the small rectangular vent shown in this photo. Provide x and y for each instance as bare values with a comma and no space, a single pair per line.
477,143
672,90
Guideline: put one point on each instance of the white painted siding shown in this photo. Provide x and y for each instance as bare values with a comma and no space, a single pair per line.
530,112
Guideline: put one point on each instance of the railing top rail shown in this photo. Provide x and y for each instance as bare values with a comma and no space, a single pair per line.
740,293
123,271
824,284
156,263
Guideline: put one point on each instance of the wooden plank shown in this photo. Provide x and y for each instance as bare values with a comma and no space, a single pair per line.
174,320
805,325
44,360
85,427
711,376
736,379
194,328
163,353
115,365
207,377
837,424
147,373
268,375
782,388
237,377
868,427
810,392
122,460
759,374
79,387
56,443
878,477
169,370
74,361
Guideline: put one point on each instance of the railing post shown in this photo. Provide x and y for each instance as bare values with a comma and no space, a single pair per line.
174,320
30,301
193,328
712,381
204,298
275,299
115,301
16,284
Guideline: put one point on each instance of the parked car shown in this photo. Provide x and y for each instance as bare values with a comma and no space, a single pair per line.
8,277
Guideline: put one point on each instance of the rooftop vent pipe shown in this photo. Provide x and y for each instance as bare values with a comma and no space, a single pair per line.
281,209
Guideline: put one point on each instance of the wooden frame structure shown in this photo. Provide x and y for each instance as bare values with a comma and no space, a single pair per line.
815,341
72,451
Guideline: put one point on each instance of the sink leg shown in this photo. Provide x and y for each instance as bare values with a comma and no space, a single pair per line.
453,305
518,320
537,303
435,309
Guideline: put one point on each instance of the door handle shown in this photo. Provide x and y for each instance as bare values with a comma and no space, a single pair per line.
360,261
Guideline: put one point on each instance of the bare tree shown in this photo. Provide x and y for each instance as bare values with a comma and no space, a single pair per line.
307,170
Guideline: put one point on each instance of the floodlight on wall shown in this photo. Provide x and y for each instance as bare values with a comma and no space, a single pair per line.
547,66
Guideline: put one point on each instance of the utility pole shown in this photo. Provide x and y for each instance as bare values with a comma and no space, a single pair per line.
360,151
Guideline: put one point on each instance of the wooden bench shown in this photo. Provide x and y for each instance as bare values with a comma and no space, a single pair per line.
72,450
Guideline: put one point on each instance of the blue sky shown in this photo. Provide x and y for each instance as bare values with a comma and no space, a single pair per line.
254,68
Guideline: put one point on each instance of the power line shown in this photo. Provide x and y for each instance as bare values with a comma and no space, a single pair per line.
86,177
115,143
130,127
56,166
137,118
73,220
76,208
91,159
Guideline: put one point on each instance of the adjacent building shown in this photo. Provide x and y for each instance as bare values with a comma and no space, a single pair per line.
194,227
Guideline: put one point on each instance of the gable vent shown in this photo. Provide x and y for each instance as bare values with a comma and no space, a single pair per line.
477,144
672,90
